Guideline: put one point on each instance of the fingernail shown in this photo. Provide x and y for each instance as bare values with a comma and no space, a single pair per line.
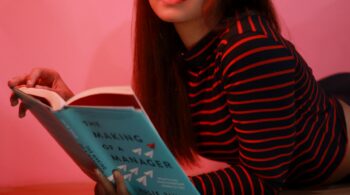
98,172
116,173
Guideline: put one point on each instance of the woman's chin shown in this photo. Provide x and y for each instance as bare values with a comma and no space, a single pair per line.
173,17
177,10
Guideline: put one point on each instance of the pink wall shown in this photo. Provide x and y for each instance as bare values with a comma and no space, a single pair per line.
88,42
320,29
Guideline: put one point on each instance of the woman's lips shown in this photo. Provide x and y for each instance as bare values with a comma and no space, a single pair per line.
172,2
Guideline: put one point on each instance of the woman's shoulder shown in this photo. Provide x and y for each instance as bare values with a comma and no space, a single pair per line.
248,32
242,23
247,25
249,39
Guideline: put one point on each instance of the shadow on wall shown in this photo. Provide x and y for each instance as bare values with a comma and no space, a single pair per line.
113,57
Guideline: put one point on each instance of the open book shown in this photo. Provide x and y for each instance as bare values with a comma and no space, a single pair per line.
106,128
102,96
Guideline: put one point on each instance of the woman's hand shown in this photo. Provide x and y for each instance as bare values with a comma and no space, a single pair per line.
39,78
105,187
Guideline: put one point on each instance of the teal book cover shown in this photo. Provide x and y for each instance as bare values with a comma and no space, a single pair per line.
124,139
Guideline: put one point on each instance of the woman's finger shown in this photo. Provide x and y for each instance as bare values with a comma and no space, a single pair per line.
22,110
13,100
106,184
120,185
46,76
33,77
18,80
99,190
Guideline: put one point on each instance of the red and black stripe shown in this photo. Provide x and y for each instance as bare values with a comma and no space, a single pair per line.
256,105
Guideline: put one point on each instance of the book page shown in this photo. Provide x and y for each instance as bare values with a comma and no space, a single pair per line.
47,97
115,96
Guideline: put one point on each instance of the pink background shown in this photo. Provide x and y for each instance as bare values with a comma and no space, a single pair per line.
89,43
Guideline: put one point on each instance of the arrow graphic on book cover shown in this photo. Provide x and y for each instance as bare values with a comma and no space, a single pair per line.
149,173
111,178
134,171
149,154
128,176
137,151
142,180
122,167
152,145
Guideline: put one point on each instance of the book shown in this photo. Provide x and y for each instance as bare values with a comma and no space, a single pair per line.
107,128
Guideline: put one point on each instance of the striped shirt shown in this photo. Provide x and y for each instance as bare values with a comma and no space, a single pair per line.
256,105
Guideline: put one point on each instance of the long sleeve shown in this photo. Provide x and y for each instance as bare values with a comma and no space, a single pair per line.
258,82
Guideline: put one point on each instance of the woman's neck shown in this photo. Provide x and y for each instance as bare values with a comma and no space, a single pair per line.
193,31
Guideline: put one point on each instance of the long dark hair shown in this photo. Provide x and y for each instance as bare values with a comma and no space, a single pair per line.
158,77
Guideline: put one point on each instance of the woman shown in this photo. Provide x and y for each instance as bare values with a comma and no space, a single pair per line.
217,75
